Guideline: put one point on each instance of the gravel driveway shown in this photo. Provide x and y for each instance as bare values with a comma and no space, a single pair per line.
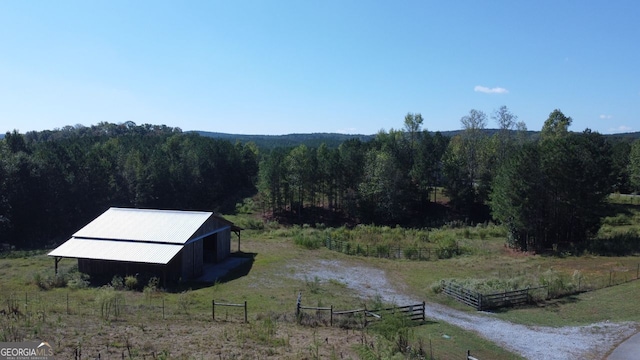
532,342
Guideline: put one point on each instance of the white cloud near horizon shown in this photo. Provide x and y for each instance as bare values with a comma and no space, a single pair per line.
486,90
606,117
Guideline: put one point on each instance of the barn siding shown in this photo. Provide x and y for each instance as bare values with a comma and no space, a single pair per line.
224,244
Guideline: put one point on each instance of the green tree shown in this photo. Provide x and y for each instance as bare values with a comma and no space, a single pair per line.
557,125
634,166
506,122
384,195
298,176
554,192
517,197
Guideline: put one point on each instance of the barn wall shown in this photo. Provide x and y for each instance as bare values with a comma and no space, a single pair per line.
224,245
192,260
107,268
187,262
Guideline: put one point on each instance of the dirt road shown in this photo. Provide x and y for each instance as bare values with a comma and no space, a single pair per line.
532,342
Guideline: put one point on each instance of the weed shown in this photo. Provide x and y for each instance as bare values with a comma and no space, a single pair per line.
111,303
131,282
117,282
313,285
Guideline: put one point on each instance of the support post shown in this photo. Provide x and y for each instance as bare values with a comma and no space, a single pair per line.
331,317
245,311
213,310
56,260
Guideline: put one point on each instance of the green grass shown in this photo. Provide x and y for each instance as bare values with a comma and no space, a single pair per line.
271,288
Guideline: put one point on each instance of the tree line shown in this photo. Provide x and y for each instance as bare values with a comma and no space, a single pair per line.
54,182
546,189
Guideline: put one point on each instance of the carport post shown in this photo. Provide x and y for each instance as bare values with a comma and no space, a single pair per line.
56,260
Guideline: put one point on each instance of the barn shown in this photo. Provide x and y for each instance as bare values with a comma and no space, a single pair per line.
170,244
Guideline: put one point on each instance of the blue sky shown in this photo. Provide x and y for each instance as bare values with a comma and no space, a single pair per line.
281,67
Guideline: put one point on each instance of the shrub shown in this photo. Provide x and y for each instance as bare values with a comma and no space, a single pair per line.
310,242
411,252
619,219
612,244
78,280
117,282
131,282
252,224
447,248
382,250
46,282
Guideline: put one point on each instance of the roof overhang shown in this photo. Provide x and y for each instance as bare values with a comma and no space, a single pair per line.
129,251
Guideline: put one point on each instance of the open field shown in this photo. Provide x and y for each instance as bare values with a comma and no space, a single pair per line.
187,332
177,324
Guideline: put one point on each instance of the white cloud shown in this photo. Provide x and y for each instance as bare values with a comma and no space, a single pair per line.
606,117
486,90
620,129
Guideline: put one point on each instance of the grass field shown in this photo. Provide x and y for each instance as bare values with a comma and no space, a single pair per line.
177,324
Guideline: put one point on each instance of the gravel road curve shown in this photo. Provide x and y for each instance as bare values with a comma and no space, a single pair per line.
532,342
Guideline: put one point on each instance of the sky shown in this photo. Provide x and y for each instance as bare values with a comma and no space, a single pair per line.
317,66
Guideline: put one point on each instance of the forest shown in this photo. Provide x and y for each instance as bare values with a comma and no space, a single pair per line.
547,188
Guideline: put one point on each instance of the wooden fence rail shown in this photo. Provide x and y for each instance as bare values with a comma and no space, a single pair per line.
214,304
487,301
415,312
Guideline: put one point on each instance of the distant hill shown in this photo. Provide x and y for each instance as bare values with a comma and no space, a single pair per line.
332,140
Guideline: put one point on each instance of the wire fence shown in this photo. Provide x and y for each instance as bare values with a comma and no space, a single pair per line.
114,305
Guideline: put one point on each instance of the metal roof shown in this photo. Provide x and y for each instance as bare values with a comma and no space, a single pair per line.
163,226
139,252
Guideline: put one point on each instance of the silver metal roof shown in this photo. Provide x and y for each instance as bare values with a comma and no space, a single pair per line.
163,226
139,252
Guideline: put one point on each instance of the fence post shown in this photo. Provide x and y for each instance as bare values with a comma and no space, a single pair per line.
365,316
213,310
610,276
331,317
298,304
245,311
424,309
162,308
